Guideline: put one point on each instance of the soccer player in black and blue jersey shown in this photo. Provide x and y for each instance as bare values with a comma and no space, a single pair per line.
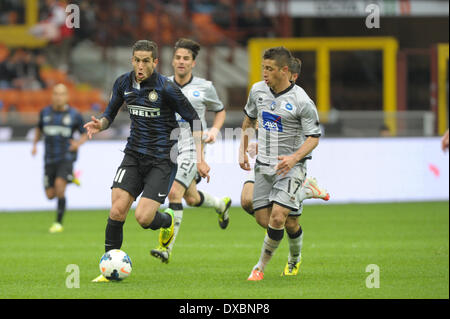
57,123
149,165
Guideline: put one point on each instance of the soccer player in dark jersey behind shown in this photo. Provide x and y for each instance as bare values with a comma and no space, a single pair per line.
149,165
57,123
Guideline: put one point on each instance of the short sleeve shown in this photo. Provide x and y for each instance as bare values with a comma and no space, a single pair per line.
310,119
212,100
250,108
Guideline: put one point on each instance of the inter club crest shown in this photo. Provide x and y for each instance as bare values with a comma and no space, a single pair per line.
153,96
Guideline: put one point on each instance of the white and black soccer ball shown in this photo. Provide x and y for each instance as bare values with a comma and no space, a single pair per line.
115,264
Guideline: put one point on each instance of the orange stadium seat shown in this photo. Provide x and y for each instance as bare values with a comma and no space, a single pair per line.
210,31
149,22
52,76
41,98
9,98
26,102
81,100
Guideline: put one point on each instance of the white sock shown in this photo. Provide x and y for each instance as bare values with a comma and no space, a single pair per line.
212,201
271,242
295,247
178,214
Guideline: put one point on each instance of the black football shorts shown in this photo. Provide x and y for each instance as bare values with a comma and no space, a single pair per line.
61,169
139,173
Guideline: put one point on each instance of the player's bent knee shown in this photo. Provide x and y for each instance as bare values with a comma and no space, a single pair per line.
50,193
175,195
117,214
291,222
143,220
277,220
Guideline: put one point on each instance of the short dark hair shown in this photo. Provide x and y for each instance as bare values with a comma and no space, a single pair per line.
281,55
188,44
146,45
295,66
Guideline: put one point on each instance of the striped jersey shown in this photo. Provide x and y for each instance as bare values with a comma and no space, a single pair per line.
152,105
285,120
58,128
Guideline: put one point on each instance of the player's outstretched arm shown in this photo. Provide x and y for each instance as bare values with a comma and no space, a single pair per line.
95,126
37,137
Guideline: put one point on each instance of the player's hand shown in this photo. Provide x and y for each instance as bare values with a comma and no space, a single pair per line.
243,161
252,149
203,169
286,163
93,127
211,136
74,145
34,150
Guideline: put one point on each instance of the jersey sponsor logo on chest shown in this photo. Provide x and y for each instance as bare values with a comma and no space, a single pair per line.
144,111
272,122
54,130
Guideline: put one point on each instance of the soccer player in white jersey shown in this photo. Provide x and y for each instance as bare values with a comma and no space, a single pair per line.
309,189
203,97
288,131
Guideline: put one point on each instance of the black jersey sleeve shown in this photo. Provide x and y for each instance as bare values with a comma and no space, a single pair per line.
180,104
79,126
116,101
40,123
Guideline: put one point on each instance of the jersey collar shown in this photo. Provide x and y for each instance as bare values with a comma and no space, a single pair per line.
150,81
64,108
182,86
282,92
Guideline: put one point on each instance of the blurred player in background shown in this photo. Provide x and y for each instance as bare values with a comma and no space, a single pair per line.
203,97
289,129
149,165
309,189
58,123
444,141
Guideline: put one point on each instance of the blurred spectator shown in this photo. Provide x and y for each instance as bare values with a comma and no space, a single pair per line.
202,6
52,27
87,22
21,70
384,131
5,76
252,19
12,12
222,13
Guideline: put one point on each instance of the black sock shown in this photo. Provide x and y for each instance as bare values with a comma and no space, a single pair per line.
61,208
113,234
161,220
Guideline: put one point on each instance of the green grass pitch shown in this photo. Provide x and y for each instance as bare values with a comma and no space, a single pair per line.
409,242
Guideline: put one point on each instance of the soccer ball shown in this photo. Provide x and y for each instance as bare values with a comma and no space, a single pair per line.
115,264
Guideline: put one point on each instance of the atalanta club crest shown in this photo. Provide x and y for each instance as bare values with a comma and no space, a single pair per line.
153,96
273,105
